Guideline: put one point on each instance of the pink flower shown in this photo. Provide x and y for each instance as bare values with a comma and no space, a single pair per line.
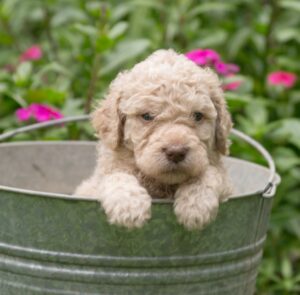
232,86
226,69
203,56
221,68
232,68
23,114
32,53
285,79
39,112
209,57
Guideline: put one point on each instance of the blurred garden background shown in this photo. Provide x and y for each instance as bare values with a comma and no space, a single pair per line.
58,56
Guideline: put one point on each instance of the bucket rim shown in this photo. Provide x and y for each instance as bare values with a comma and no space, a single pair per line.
82,198
268,192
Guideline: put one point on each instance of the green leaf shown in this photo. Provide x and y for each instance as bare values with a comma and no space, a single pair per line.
85,30
120,11
7,122
287,130
285,158
23,73
5,38
103,43
212,39
7,7
148,4
238,41
94,7
69,15
236,100
3,87
45,95
211,7
73,107
287,34
54,67
286,268
246,125
17,98
257,113
290,4
125,51
293,225
259,42
118,30
37,79
285,61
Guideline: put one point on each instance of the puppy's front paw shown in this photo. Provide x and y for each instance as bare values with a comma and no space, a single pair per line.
130,208
196,211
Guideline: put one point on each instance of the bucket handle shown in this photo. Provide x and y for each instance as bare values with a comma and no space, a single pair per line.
274,179
268,191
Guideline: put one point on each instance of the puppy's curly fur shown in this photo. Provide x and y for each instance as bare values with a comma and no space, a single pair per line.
163,129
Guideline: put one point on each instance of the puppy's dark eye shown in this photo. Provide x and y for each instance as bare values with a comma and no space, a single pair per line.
147,117
197,116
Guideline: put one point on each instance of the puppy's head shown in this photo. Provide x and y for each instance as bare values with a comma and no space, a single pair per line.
170,113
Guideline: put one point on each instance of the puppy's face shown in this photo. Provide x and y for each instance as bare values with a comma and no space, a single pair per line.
170,130
169,113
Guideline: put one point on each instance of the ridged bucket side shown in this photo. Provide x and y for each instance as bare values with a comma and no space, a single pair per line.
83,254
12,284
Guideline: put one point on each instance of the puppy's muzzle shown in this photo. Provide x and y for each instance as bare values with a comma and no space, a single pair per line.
175,153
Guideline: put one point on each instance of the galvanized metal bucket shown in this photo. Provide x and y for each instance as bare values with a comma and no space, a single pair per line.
54,243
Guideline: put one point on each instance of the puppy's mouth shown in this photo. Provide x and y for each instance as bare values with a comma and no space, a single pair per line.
173,173
174,168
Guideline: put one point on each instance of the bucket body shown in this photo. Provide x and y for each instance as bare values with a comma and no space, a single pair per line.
52,243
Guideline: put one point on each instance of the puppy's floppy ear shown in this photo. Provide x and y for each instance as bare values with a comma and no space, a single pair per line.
224,122
107,120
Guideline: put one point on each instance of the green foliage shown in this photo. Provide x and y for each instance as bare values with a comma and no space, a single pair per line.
85,43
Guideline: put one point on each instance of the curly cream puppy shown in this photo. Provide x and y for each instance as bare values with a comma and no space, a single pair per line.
163,128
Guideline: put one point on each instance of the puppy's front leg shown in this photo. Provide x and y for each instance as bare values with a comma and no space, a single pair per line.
197,202
124,200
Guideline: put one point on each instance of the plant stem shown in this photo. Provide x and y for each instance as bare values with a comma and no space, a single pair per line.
269,40
93,82
49,35
102,26
7,27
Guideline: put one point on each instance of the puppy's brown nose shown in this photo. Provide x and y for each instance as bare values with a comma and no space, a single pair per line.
176,153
